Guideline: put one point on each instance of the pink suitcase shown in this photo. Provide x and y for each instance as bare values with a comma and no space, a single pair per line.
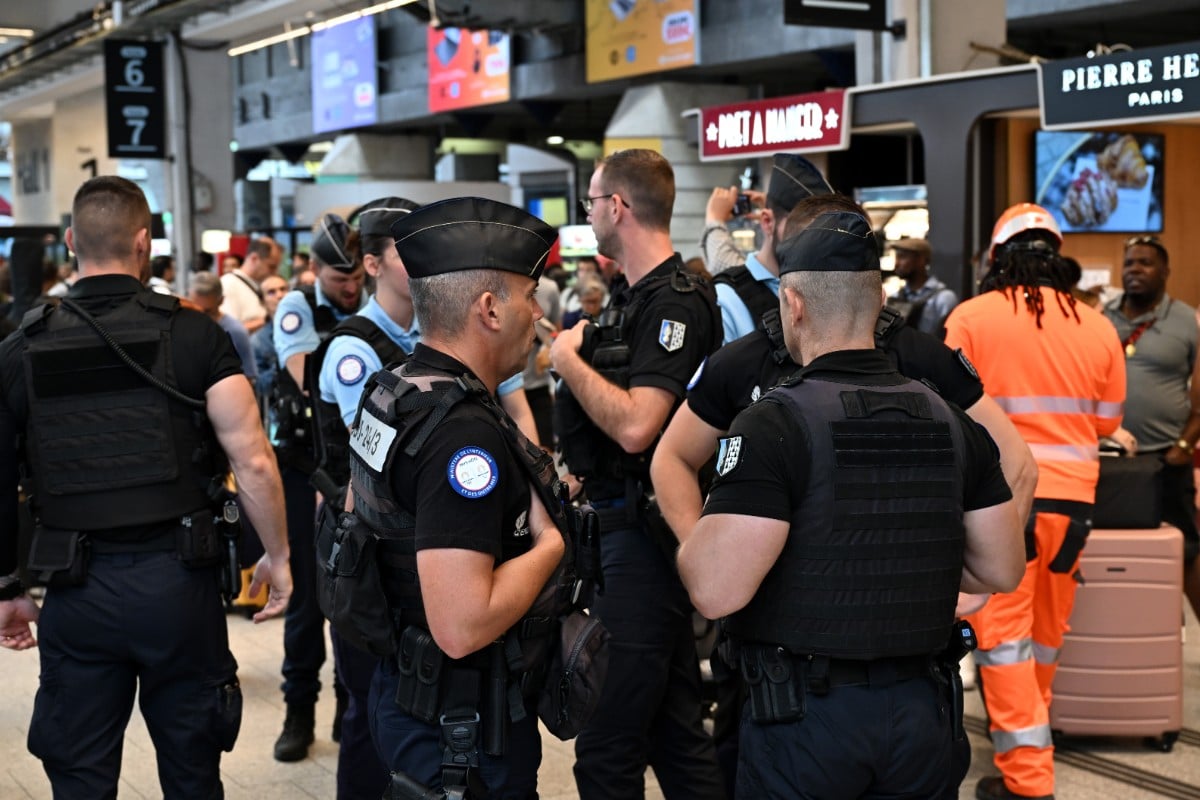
1120,672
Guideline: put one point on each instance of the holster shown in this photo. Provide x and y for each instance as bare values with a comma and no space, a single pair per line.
771,685
58,558
420,662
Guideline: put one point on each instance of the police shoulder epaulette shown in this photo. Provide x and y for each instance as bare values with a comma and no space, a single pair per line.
889,322
154,301
36,316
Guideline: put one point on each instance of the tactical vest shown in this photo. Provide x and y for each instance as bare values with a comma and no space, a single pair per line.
874,555
291,407
587,450
330,435
102,444
398,412
758,299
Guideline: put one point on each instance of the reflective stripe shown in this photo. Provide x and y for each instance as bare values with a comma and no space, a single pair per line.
1038,736
1005,653
1110,410
1065,452
1045,654
1047,405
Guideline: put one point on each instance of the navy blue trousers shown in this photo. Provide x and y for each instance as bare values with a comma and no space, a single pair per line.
303,624
361,775
145,624
649,712
855,742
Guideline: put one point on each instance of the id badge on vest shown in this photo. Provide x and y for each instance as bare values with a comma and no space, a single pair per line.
372,439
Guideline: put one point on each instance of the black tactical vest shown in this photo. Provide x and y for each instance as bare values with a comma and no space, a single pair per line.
292,408
757,297
331,438
874,556
587,450
103,445
398,412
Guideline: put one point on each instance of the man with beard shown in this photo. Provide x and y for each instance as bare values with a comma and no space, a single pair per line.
304,318
924,301
1162,409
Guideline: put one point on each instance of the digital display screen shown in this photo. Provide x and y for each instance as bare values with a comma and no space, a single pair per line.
345,83
1100,182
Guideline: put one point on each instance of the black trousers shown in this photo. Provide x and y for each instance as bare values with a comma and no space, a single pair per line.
303,624
361,774
145,624
854,742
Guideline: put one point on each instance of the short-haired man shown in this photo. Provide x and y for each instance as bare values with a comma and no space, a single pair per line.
1162,407
442,476
747,290
923,300
617,397
121,464
850,506
204,291
243,298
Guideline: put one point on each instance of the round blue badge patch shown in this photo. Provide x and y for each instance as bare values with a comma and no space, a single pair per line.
350,370
472,472
290,322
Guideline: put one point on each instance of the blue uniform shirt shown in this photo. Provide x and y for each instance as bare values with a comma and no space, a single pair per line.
735,317
350,360
295,331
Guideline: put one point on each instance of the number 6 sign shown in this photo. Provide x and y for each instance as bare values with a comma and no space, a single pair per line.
134,99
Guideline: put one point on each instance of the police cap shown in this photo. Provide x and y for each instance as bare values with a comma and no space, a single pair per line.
838,241
472,233
376,217
794,178
329,243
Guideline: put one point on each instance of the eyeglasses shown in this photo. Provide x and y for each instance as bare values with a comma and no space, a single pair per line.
588,202
1152,241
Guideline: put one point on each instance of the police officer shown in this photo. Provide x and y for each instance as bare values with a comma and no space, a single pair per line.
747,291
441,475
382,333
124,460
740,373
619,395
304,318
849,507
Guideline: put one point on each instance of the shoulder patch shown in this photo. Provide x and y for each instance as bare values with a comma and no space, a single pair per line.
472,472
671,335
729,453
966,362
350,370
696,375
290,322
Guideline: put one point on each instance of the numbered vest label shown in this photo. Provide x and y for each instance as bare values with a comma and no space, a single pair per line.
371,440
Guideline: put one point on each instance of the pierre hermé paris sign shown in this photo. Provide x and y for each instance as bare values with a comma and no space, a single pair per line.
1147,85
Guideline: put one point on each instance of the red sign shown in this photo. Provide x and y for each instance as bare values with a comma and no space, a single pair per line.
801,123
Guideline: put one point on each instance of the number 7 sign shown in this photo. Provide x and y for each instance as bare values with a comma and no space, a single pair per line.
134,99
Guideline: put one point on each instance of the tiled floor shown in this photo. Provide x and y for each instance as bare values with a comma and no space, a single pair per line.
251,773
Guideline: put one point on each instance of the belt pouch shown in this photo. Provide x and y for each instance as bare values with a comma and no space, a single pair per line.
58,558
420,664
196,541
771,686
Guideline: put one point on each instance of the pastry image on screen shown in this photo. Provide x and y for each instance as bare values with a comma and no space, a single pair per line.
1100,182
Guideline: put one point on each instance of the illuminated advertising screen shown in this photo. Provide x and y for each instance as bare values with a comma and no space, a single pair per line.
345,85
467,68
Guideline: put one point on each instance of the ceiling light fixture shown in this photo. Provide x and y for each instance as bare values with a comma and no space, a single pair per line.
20,33
304,30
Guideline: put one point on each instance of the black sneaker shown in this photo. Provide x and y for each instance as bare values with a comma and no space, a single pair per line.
992,788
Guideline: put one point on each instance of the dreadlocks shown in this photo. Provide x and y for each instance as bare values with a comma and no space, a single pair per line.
1028,262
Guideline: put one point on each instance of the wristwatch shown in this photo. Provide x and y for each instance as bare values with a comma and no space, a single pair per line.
1184,445
10,587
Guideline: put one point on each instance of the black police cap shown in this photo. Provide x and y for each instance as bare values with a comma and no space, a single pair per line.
376,217
837,241
472,233
329,243
794,178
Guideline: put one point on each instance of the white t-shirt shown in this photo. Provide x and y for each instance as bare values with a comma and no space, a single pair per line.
242,301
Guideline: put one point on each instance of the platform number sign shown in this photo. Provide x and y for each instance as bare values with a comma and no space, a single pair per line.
134,99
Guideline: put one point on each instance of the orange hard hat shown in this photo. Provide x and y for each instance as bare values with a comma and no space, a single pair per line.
1020,218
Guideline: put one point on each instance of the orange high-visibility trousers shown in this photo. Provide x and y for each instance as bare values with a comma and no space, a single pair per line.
1020,635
